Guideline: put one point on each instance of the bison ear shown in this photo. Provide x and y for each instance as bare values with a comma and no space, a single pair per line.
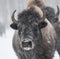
42,24
14,26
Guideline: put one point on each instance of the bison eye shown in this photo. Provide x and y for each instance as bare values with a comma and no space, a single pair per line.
42,24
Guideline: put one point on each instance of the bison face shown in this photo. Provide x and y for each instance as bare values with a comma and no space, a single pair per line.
29,27
28,34
51,15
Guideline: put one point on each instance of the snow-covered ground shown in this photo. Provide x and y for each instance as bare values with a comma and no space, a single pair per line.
6,49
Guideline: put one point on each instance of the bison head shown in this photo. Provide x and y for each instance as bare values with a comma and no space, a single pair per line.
29,25
50,14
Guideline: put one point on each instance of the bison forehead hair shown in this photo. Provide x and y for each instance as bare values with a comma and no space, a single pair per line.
28,16
28,20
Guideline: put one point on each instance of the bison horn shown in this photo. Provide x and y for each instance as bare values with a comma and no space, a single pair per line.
43,18
13,19
57,14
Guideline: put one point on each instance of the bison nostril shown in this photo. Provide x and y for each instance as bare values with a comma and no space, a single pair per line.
27,44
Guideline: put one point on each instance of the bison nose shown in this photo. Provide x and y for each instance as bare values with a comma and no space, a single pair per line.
27,45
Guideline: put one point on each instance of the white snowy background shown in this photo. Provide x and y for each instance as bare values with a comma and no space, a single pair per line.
6,33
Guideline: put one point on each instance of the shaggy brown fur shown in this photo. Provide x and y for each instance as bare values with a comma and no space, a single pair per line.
39,3
49,11
36,9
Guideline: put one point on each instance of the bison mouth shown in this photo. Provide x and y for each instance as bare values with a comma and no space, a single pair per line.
27,45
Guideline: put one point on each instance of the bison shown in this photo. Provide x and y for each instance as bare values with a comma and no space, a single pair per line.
49,11
54,20
35,36
51,16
